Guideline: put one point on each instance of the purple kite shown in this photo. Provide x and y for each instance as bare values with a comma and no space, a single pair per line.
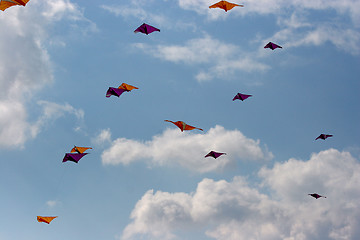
241,96
323,136
214,154
272,46
114,91
146,29
315,195
74,157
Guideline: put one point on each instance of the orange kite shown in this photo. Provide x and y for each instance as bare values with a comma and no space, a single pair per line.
45,219
79,149
127,87
225,5
4,4
183,126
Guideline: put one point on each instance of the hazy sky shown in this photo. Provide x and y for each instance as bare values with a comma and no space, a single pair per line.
144,178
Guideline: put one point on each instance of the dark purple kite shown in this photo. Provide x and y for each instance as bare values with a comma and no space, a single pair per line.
146,29
74,157
114,91
241,96
323,136
214,154
272,46
315,195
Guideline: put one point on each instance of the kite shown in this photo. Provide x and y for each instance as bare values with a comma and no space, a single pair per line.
147,29
4,4
323,136
315,195
74,157
214,154
183,126
225,5
241,96
272,46
45,219
118,91
79,149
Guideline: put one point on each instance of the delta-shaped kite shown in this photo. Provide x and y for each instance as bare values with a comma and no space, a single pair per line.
225,5
214,154
77,149
73,157
45,219
146,29
4,4
272,46
118,91
241,96
323,136
183,126
315,195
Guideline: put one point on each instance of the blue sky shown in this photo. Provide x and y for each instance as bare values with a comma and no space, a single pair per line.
144,178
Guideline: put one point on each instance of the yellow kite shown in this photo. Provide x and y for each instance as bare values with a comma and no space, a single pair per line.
4,4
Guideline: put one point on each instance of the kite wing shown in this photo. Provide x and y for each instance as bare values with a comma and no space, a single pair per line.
214,154
4,4
272,46
127,87
45,219
241,96
146,29
323,136
114,91
183,126
79,149
225,5
74,157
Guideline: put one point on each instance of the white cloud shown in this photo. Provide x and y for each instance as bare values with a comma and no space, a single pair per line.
235,210
187,149
25,65
103,137
220,58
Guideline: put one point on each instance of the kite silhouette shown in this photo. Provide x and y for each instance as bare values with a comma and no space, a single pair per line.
241,96
183,126
272,46
118,91
45,219
323,136
4,4
73,157
315,195
214,154
146,29
225,5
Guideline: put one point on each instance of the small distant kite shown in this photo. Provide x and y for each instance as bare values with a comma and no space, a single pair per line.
241,96
4,4
118,91
79,149
183,126
225,5
323,136
272,46
73,157
45,219
315,195
146,29
214,154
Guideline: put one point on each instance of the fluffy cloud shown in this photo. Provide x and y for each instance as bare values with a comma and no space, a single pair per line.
25,65
187,149
236,210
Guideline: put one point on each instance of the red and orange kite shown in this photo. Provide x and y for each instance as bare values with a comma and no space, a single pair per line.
183,126
45,219
225,5
4,4
79,149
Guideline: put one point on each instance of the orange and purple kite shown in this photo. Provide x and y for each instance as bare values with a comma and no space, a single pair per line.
146,29
45,219
241,96
225,5
214,154
4,4
272,46
323,136
315,195
118,91
183,126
